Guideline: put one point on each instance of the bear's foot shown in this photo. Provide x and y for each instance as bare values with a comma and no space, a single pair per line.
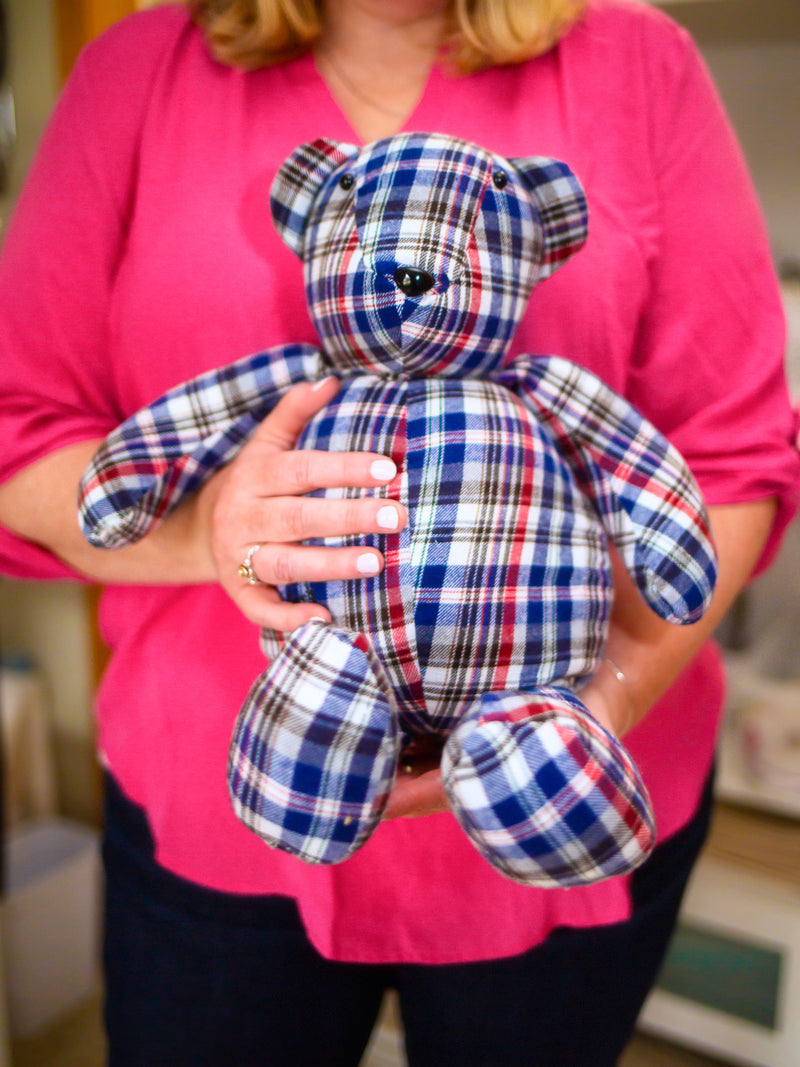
546,794
315,748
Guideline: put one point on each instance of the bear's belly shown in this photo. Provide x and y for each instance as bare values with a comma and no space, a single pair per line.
501,579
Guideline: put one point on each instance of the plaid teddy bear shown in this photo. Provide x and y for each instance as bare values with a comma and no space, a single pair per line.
420,253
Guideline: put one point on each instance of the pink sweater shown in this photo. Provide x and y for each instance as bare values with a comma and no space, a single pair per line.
142,254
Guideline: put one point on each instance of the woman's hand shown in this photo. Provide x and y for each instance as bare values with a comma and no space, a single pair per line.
259,499
416,794
418,789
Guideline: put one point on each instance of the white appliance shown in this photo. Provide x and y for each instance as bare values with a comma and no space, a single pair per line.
731,984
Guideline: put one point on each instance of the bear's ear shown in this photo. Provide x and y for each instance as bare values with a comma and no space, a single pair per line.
562,206
297,183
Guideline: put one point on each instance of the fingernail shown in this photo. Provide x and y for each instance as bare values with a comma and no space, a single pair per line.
368,564
321,382
387,518
383,470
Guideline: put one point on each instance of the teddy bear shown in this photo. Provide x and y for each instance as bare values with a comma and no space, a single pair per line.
420,253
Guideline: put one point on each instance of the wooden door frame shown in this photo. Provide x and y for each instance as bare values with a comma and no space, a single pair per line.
79,21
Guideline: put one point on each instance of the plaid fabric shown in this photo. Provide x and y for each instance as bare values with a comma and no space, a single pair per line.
315,748
166,451
501,583
427,202
501,579
514,481
647,497
544,792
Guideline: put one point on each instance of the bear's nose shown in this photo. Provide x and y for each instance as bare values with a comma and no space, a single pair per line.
413,282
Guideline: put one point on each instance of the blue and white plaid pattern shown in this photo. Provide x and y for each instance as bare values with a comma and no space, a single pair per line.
501,579
538,784
166,451
428,202
314,754
648,499
494,602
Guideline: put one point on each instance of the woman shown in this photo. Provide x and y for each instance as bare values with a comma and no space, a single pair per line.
140,256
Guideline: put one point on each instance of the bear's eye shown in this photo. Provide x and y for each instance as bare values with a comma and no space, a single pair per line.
347,181
500,179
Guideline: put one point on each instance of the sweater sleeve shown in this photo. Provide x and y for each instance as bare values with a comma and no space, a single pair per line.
60,258
709,362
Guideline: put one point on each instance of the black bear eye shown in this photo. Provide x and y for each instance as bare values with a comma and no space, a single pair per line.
347,181
500,179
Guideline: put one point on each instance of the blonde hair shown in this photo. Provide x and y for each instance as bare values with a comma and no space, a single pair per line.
483,33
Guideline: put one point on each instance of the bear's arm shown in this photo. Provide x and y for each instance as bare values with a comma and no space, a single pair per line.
643,491
170,448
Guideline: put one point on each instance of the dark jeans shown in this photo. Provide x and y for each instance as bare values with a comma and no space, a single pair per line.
196,978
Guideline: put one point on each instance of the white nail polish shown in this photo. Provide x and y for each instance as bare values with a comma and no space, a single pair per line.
387,518
321,383
368,564
383,470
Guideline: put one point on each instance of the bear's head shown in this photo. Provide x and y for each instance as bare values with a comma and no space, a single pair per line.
420,251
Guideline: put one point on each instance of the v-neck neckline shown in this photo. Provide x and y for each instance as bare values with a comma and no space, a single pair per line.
332,109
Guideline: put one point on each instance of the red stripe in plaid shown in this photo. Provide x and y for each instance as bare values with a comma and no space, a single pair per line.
477,598
544,792
647,498
502,578
315,748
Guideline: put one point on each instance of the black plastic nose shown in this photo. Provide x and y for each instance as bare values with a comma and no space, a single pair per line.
413,282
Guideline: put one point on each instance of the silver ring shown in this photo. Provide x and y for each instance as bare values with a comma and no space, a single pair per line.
246,568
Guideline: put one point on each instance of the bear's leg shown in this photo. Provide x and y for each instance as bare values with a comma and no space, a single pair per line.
315,748
547,795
